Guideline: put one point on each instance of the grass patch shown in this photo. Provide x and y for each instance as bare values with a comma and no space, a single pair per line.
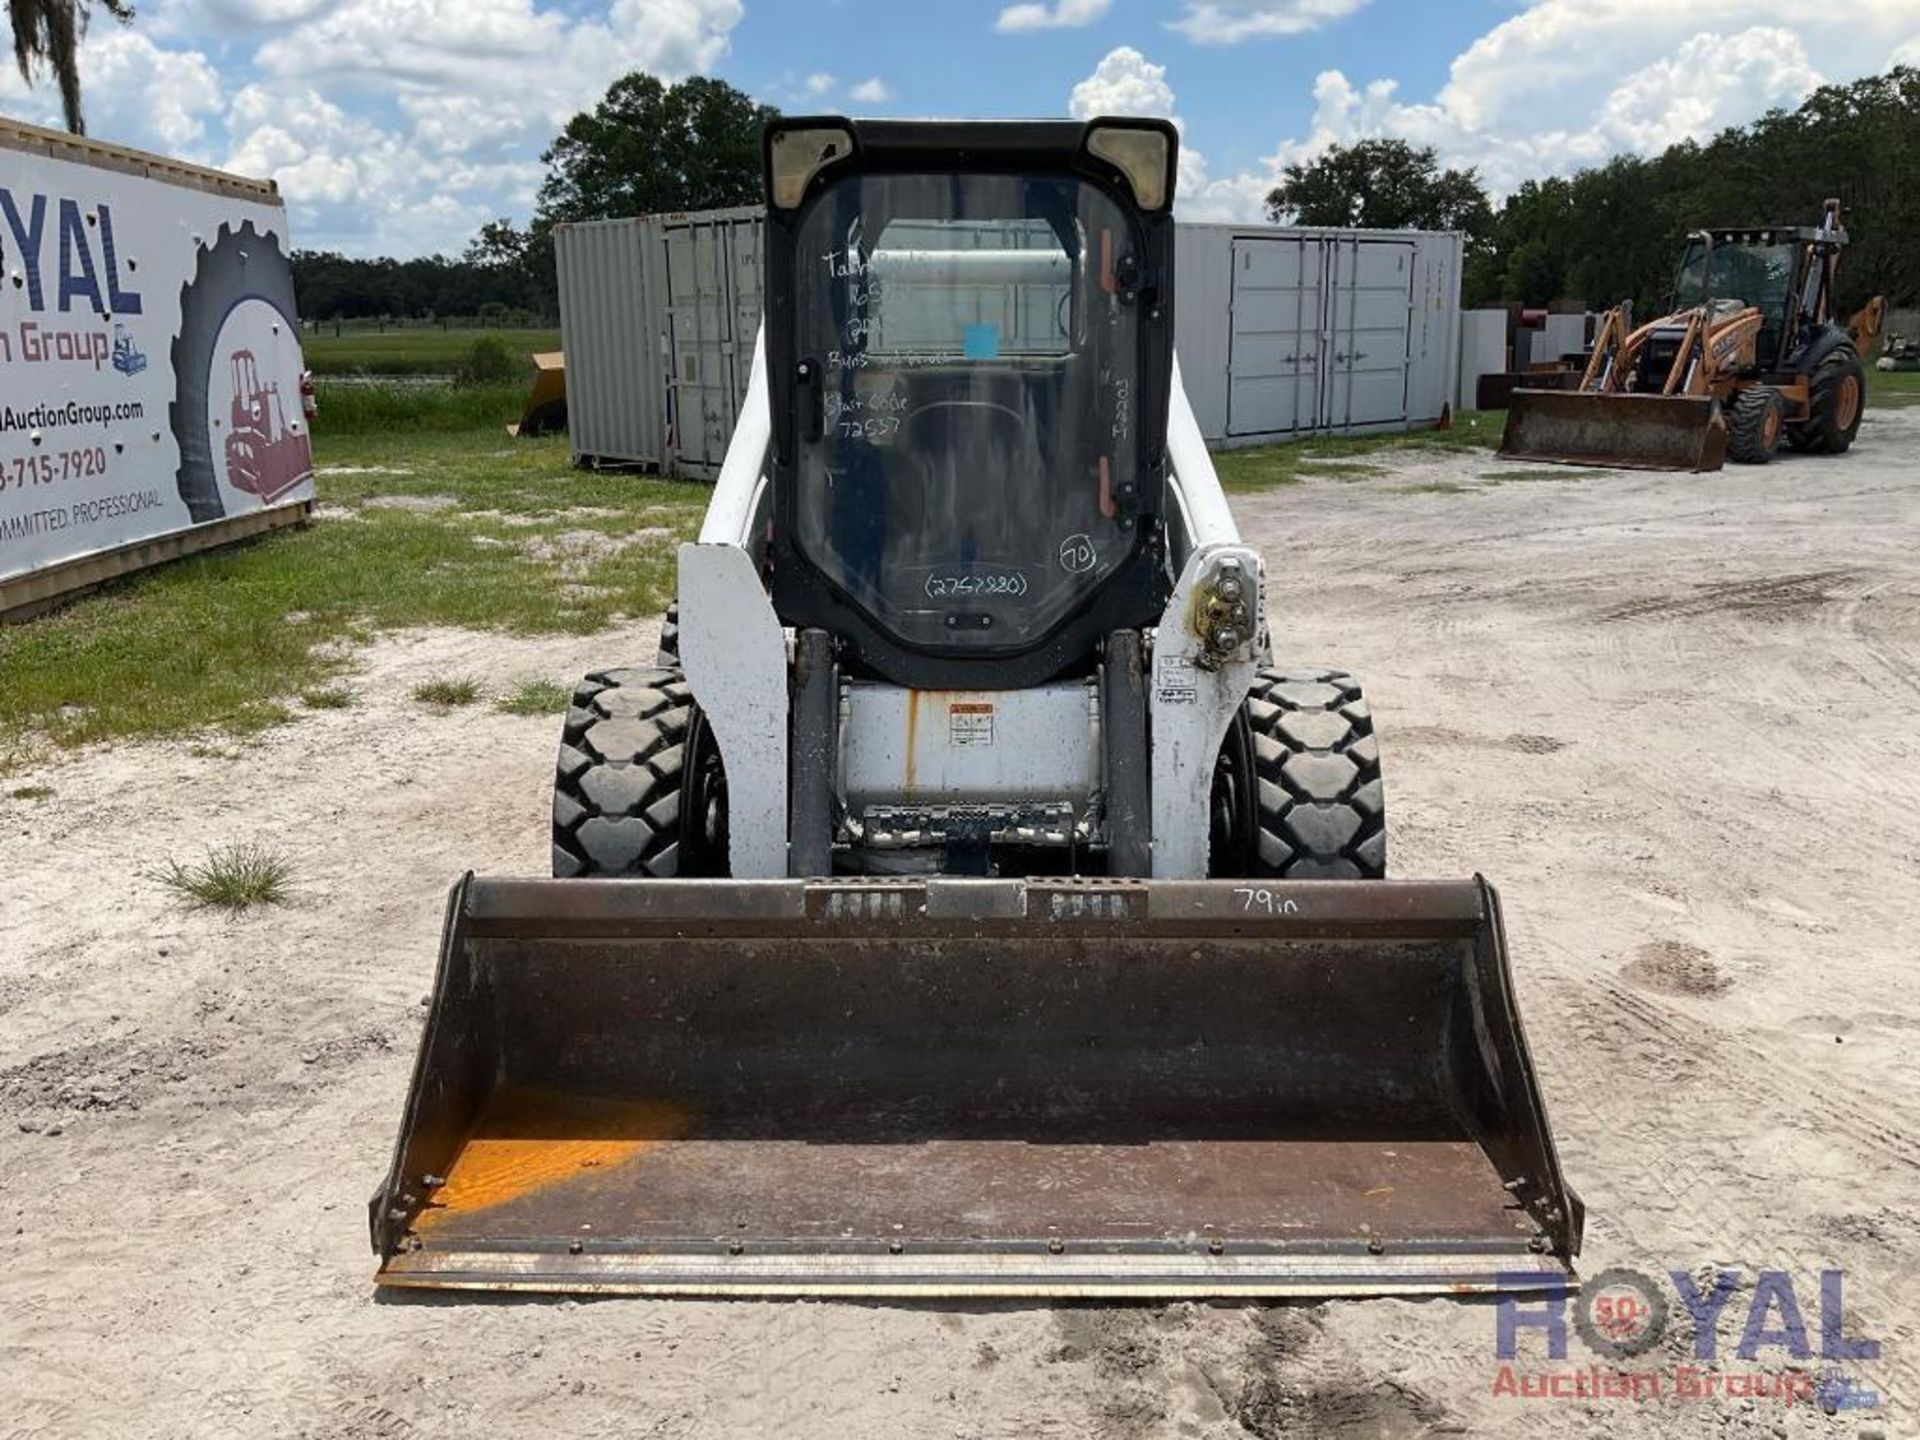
535,697
414,350
392,408
222,643
31,792
1268,466
327,697
232,877
1434,487
1892,389
447,691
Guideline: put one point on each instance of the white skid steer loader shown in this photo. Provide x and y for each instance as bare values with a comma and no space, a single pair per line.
968,907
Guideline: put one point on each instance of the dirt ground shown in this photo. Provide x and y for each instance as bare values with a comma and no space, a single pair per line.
1672,717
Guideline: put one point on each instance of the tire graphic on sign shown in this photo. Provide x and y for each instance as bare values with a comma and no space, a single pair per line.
232,419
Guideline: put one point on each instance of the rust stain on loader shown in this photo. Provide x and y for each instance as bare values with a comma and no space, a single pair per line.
530,1140
913,741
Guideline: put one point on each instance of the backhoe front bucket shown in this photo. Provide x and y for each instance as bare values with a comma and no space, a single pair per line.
1632,432
974,1088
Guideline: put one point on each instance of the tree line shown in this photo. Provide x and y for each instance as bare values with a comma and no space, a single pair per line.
1615,231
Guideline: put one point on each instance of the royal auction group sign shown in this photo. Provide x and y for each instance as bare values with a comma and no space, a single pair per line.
150,366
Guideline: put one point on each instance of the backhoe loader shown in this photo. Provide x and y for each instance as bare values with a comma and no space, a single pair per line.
1754,359
970,907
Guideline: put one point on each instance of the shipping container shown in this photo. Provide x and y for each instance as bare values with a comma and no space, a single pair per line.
152,397
1290,332
1280,332
657,318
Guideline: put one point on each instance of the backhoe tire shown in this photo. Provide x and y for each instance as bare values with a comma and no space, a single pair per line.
635,790
1321,805
1836,401
1756,420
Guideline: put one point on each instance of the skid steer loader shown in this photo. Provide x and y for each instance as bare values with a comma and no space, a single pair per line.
972,909
1722,378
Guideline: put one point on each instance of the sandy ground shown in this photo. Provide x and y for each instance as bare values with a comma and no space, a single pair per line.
1672,717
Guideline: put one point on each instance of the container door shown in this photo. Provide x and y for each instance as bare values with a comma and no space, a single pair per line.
703,338
1273,349
1369,318
744,264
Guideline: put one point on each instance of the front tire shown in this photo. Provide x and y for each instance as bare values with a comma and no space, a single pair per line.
1836,402
638,791
1755,419
1320,802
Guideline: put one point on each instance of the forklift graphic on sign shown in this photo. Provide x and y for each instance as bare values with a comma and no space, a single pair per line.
128,358
265,456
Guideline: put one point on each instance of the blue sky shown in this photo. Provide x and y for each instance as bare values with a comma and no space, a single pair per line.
399,126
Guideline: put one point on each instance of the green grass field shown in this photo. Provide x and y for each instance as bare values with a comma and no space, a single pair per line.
415,350
395,408
467,529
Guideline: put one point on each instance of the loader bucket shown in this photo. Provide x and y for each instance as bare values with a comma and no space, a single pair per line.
1631,432
974,1088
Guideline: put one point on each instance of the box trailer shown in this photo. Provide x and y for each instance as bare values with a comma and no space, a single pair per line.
1280,332
153,397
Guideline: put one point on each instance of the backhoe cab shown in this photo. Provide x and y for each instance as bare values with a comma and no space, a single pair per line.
1750,357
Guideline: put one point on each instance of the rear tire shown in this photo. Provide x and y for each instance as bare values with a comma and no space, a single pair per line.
667,656
1320,802
1756,418
1836,401
637,792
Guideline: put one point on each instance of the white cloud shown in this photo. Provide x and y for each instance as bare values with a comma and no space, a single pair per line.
1125,82
507,48
1228,22
1061,15
871,91
1711,81
820,83
476,88
133,91
1564,57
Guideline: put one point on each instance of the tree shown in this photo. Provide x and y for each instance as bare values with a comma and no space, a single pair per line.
1381,185
48,33
648,147
500,246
